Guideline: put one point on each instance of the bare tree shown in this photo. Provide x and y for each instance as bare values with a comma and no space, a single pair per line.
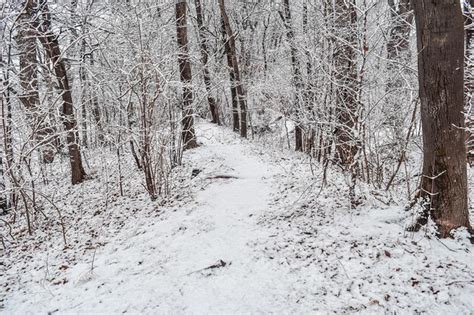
398,57
345,18
205,60
347,89
232,55
188,134
26,36
233,88
297,76
53,51
440,30
3,193
6,119
401,19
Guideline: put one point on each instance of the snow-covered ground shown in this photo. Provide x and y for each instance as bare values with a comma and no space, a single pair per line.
253,232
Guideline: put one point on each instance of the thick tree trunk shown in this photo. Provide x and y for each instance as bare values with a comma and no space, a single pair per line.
469,74
440,32
188,133
297,77
205,59
232,55
51,45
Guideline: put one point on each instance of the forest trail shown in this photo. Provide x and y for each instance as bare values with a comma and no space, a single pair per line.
223,229
197,259
252,233
97,215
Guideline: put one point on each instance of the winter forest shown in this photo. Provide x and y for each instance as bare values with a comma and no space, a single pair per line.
236,156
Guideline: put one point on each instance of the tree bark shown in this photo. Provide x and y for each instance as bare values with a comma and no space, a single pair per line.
85,95
308,95
94,103
51,45
232,55
399,38
3,152
233,90
297,77
346,78
6,122
28,76
440,41
188,133
469,73
205,60
398,57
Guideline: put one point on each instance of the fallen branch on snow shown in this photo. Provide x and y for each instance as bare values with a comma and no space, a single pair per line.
222,177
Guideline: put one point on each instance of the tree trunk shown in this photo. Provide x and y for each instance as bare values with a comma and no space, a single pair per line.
94,103
3,152
233,89
469,73
51,45
266,23
440,40
308,95
205,59
85,95
131,122
6,122
297,77
398,57
28,76
232,55
346,77
188,133
401,19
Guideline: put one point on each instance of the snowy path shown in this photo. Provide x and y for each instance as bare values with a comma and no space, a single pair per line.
288,247
161,267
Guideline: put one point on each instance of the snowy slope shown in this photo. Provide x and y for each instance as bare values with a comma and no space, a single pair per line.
258,235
